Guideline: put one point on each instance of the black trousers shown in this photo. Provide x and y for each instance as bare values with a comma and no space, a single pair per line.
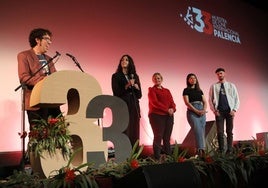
162,126
225,118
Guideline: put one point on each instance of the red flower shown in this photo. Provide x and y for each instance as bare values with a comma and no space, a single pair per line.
241,156
134,164
69,175
181,159
208,159
53,121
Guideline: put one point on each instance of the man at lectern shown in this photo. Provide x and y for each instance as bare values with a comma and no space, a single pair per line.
33,66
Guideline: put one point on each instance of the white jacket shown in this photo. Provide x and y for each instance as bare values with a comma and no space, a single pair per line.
231,94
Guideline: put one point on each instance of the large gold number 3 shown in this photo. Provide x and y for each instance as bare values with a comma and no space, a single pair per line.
82,94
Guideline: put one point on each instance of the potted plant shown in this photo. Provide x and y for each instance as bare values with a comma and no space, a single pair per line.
49,136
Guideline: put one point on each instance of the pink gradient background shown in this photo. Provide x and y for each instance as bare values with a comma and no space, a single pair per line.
99,32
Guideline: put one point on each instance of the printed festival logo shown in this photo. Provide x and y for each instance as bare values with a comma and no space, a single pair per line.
205,22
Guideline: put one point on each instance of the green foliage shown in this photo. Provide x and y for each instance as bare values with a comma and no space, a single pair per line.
23,179
50,135
68,177
135,153
232,170
177,154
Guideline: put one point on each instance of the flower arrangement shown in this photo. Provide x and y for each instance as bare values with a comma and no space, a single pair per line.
49,135
71,177
231,170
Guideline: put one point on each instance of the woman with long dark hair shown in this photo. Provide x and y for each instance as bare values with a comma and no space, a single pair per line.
196,104
126,85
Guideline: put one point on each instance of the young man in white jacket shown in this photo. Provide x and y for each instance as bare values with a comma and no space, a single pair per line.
224,102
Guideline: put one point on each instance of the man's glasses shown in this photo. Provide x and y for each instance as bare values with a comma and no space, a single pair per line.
47,39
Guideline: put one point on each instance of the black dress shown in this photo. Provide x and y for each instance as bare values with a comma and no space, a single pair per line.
131,96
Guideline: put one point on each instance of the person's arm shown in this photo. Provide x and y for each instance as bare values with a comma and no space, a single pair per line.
204,111
26,69
211,99
188,104
204,103
172,106
192,108
236,99
119,87
51,64
186,100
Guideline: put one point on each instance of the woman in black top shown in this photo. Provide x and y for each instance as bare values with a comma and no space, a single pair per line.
126,85
196,104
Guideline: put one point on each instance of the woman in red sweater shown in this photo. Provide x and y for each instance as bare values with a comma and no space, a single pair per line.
161,110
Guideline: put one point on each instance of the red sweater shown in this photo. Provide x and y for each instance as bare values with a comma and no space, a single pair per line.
160,100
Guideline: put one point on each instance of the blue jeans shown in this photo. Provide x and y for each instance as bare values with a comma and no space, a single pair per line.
198,124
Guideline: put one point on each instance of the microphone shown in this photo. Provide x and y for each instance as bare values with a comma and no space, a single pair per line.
57,54
132,77
75,61
71,56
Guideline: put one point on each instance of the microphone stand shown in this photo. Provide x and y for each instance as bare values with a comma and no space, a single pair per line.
132,87
22,161
23,86
45,64
78,65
